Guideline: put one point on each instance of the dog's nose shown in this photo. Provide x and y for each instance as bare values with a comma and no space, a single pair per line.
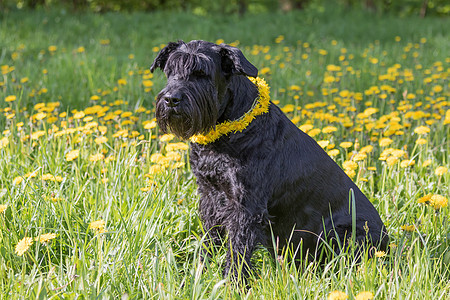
172,100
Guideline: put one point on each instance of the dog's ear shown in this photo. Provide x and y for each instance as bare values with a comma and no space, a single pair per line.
163,55
235,63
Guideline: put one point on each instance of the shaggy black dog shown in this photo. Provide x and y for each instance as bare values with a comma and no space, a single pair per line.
268,181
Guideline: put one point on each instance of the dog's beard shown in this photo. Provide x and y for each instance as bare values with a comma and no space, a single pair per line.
195,115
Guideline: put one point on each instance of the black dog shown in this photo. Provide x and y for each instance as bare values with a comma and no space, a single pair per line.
267,179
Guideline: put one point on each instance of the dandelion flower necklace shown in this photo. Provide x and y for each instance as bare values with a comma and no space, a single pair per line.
260,107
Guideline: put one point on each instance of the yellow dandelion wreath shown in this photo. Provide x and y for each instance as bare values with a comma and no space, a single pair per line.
260,107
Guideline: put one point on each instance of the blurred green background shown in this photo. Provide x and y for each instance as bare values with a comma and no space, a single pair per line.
203,7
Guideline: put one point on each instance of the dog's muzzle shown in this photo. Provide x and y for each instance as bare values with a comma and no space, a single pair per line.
172,100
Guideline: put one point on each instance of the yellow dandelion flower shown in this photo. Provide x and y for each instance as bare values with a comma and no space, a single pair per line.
102,129
437,88
349,165
96,157
88,119
79,115
409,228
380,254
296,119
122,81
323,143
421,141
398,153
248,119
421,130
426,163
346,145
52,48
329,129
438,201
40,116
333,153
126,114
174,156
23,245
48,177
176,146
407,163
313,132
31,174
120,133
4,142
441,171
3,207
370,111
364,296
17,180
265,70
98,226
164,161
391,160
329,79
295,87
146,189
366,149
37,134
156,158
337,295
359,156
10,98
147,83
155,169
43,238
110,158
179,164
101,140
166,137
72,155
306,127
350,173
288,108
425,199
149,125
385,142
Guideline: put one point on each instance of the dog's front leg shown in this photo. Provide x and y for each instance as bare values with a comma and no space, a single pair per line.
244,233
213,236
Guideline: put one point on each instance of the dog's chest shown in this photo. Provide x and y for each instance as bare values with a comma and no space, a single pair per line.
217,173
213,166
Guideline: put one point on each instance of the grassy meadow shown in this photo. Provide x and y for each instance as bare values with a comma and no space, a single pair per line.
96,202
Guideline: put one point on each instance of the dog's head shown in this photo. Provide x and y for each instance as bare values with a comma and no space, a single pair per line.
198,74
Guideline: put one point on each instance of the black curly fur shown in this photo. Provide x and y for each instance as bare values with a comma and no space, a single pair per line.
272,179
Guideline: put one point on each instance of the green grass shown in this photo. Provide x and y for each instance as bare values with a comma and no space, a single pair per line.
150,242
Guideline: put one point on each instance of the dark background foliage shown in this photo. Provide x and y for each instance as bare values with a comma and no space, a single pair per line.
202,7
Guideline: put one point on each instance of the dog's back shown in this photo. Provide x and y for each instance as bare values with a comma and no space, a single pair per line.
312,193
